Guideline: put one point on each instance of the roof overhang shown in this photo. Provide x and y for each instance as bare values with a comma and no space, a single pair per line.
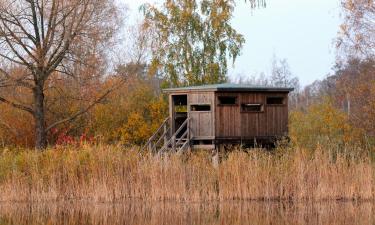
228,88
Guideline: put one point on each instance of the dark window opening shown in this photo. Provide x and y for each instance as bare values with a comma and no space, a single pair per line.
203,142
201,108
252,108
275,101
180,103
179,99
227,100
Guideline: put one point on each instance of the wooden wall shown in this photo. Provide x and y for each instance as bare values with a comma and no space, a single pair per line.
228,118
202,123
229,122
232,123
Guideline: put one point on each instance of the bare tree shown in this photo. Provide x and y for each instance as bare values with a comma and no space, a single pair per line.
281,76
42,37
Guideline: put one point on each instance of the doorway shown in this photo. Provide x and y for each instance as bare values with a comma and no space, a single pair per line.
179,113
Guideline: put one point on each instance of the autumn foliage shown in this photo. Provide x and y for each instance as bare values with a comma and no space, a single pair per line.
321,124
130,115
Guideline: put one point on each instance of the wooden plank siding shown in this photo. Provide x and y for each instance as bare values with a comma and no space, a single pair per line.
228,121
228,118
202,123
252,123
231,123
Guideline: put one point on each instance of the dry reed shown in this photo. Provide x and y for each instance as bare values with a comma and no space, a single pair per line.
114,174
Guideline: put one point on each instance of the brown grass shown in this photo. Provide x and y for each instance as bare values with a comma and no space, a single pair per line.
112,174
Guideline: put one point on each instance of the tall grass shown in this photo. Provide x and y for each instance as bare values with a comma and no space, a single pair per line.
113,174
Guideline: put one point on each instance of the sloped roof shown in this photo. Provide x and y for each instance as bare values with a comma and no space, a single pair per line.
229,87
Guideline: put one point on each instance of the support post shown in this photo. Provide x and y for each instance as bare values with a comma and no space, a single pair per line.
188,131
174,143
165,135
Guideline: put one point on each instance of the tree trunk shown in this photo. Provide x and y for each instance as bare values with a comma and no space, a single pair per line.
39,117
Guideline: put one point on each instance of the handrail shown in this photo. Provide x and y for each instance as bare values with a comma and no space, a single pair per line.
161,138
154,135
181,127
173,137
153,142
165,146
182,137
184,146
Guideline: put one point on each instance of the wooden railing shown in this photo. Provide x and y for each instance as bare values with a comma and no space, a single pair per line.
174,142
160,141
153,142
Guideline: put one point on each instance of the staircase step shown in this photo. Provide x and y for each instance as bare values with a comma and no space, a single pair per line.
204,147
161,139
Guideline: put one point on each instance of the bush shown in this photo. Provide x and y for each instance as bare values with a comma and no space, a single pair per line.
322,123
129,115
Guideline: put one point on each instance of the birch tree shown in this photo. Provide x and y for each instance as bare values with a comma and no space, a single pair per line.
193,40
357,32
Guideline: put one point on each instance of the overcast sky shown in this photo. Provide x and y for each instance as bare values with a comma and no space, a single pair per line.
302,31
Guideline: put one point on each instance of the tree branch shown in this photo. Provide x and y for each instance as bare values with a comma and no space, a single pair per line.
76,115
17,106
19,81
35,24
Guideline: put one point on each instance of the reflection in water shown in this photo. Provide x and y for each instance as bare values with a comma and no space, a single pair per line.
184,214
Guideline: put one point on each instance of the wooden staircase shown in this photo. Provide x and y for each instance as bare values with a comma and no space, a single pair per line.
164,141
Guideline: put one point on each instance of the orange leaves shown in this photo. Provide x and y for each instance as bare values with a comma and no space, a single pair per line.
356,86
322,123
16,127
136,130
139,128
130,114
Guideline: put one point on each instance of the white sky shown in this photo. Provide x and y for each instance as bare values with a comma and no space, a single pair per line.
302,31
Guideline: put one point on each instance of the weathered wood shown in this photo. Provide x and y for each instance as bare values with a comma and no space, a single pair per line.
202,123
230,122
149,144
228,117
182,138
165,134
163,137
173,139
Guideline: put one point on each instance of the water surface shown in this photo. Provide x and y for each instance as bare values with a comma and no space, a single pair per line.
237,213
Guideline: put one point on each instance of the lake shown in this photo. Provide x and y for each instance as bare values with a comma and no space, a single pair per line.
238,213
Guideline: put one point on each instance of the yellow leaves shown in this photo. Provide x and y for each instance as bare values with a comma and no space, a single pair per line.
154,67
130,114
139,128
158,110
190,36
322,122
135,130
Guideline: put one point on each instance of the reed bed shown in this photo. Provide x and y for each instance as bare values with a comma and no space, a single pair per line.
115,174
